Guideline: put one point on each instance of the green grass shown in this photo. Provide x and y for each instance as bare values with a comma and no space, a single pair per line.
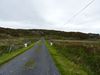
65,66
8,45
8,56
87,55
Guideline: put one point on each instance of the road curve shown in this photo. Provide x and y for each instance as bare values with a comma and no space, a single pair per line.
36,61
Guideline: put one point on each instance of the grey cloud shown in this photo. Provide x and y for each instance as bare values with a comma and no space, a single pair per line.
50,14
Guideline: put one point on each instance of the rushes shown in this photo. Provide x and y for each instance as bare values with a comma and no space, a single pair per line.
85,54
10,45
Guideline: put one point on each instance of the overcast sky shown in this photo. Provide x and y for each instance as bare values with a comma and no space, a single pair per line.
51,14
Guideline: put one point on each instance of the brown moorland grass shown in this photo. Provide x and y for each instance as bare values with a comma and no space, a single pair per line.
84,54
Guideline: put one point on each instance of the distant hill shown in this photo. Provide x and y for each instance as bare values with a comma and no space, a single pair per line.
49,34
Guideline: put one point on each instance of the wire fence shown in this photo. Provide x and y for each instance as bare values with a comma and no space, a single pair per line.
12,46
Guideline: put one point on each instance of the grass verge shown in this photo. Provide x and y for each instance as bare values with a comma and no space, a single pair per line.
65,66
6,57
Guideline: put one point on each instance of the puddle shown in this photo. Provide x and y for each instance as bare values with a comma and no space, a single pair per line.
29,65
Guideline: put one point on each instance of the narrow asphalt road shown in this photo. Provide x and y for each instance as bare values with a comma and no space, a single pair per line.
36,61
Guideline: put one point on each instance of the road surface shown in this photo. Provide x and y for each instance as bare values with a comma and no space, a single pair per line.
36,61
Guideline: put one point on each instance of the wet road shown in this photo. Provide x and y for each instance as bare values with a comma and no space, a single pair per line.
36,61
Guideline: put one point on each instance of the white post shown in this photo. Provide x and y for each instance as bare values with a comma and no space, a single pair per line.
25,44
51,43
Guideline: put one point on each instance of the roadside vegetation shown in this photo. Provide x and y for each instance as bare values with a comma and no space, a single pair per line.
10,48
76,58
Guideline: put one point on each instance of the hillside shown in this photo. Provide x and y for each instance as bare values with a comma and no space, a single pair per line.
49,34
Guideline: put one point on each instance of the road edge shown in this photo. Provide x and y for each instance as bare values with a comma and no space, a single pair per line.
10,56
